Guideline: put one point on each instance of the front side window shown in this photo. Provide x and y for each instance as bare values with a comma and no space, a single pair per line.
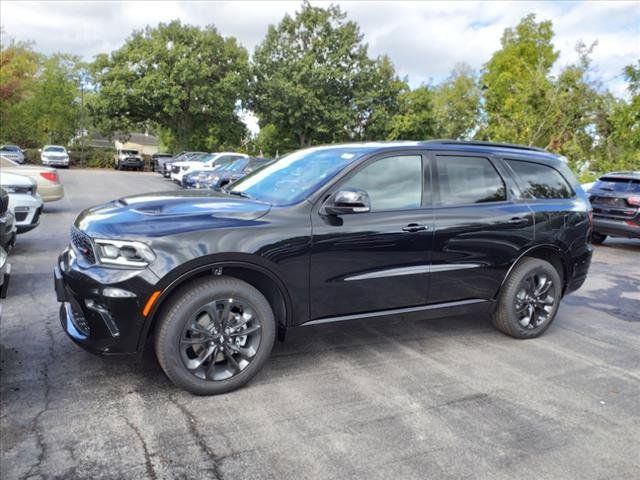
467,180
392,183
540,181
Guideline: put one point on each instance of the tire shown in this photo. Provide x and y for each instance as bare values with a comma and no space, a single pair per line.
597,238
175,341
119,166
514,308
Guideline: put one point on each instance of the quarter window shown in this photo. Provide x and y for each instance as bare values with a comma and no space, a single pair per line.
392,183
540,181
467,180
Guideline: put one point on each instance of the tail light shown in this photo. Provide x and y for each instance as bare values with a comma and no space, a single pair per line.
590,214
634,201
51,176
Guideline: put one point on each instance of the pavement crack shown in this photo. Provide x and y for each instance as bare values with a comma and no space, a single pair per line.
151,473
36,423
200,440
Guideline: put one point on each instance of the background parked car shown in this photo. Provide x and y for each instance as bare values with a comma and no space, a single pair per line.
182,156
615,198
205,162
12,152
24,201
129,159
220,177
55,156
49,186
158,160
7,222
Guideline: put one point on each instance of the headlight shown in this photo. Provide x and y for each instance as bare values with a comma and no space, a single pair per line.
3,257
123,253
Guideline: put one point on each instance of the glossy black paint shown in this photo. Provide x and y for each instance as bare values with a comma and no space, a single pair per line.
328,267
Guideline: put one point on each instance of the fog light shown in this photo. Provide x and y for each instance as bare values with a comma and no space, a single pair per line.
117,293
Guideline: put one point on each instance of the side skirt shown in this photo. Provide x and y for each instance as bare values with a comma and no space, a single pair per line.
437,310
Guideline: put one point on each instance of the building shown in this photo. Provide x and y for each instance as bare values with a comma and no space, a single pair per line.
143,142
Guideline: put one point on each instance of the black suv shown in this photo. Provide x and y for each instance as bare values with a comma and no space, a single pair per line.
325,234
616,206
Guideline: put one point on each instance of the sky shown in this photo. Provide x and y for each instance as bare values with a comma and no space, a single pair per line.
423,39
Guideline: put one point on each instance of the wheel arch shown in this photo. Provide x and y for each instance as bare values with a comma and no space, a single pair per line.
549,252
259,276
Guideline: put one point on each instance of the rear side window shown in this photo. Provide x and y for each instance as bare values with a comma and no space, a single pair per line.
619,185
540,181
467,180
393,183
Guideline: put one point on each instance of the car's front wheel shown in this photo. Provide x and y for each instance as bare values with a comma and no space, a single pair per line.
215,335
529,299
597,238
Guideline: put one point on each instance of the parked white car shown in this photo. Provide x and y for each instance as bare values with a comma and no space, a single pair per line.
24,201
12,152
205,162
54,156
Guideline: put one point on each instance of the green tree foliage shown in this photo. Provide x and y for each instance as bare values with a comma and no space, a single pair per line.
186,80
415,119
313,78
40,97
456,104
517,84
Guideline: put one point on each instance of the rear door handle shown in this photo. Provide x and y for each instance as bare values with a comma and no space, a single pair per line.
414,227
518,221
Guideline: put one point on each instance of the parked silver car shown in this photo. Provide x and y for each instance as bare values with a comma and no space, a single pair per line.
12,152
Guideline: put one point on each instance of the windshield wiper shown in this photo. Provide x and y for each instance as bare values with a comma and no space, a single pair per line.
239,193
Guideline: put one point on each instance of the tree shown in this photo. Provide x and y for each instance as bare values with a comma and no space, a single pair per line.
517,84
456,104
415,119
312,77
185,80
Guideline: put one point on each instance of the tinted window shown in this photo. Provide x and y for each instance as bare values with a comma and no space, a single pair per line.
392,183
620,185
540,181
466,180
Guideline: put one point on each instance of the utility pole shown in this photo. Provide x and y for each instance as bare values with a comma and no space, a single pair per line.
81,119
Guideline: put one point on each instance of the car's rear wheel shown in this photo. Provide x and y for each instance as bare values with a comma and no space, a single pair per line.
529,299
215,335
598,238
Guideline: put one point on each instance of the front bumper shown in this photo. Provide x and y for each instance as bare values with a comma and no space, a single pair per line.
55,162
98,323
616,227
131,163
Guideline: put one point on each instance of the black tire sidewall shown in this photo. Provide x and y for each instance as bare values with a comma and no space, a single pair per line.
598,238
184,306
506,307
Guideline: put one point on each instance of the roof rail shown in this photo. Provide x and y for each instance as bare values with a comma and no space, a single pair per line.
486,144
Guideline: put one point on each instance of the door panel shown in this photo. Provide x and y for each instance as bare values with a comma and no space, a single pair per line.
377,260
366,262
480,228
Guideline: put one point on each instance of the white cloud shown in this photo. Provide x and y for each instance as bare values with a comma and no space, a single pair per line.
423,39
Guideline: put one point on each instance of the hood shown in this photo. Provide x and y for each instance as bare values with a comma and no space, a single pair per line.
11,179
167,213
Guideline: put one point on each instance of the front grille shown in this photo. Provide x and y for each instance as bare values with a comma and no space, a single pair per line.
81,242
175,169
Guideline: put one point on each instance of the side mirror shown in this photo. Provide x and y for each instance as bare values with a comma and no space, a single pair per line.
344,202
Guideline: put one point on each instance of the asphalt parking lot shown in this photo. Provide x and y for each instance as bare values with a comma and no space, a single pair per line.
377,399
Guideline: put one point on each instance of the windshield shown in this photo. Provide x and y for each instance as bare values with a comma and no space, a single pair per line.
620,185
297,175
130,152
54,149
10,148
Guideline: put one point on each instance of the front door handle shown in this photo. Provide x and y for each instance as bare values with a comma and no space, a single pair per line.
414,227
518,221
